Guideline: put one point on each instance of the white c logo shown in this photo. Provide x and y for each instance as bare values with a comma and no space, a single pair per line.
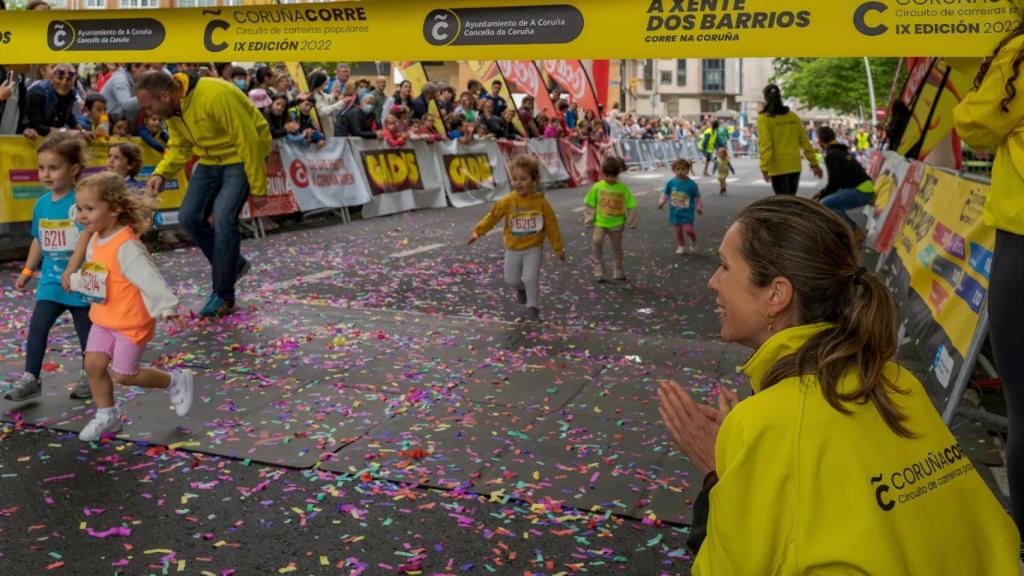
442,24
58,38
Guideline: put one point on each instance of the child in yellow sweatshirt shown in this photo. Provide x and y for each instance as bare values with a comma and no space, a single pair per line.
528,219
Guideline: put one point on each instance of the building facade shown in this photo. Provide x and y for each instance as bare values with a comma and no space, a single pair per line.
693,87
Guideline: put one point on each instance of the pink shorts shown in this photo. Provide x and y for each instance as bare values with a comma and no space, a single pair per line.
123,353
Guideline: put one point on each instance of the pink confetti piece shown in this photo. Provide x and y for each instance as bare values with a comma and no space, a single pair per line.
115,531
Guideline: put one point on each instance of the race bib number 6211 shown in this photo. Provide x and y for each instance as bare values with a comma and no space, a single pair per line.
58,237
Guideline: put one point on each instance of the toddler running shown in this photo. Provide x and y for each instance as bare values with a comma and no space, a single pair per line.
683,197
609,206
56,237
528,220
127,294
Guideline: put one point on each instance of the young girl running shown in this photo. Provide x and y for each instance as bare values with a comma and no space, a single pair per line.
528,219
609,207
683,197
55,237
128,295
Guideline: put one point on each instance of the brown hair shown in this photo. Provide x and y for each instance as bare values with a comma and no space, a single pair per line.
1011,82
136,209
132,153
613,166
795,238
529,164
72,148
155,82
682,164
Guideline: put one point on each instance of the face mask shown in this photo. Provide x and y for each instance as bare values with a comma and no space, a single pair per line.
368,108
242,84
362,92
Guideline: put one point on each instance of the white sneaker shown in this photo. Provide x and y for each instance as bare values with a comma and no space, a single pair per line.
180,391
100,425
680,250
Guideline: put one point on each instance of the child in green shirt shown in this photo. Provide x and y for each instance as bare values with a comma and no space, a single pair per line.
610,206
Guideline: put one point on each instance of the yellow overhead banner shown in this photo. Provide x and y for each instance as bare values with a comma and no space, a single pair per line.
365,30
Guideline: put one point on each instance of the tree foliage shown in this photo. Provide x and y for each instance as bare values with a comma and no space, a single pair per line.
838,84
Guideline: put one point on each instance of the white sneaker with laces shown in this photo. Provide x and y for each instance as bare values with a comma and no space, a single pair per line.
99,425
180,391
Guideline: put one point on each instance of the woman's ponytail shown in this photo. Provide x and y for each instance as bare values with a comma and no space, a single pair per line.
865,337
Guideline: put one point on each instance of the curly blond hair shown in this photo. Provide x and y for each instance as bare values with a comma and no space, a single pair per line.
136,210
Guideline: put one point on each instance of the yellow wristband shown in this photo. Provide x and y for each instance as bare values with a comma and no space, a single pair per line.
26,272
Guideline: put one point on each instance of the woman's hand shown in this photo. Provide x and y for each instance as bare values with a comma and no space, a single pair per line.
694,427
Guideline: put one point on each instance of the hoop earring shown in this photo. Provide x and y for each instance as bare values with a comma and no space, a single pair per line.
771,323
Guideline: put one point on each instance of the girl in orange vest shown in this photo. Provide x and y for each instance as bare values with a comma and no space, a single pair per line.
127,295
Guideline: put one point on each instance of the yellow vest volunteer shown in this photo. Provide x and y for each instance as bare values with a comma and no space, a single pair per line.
805,489
220,124
981,123
780,139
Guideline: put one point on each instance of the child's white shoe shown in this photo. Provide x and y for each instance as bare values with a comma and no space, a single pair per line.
180,391
681,250
101,423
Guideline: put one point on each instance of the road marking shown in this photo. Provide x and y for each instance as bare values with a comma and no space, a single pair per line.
641,193
580,209
302,279
414,251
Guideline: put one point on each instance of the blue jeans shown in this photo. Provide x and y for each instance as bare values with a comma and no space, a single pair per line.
222,192
847,199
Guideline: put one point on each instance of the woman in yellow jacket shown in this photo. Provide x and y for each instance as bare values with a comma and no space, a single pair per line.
839,463
781,136
992,116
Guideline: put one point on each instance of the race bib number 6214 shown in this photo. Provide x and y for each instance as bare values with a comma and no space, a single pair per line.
94,283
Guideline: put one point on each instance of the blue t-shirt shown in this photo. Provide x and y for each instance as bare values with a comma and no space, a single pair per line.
682,200
55,228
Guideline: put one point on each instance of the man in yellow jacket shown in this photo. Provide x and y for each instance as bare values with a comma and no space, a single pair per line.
992,116
214,120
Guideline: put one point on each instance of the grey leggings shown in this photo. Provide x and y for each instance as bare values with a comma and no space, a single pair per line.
522,271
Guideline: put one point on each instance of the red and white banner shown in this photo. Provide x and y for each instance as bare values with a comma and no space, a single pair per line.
325,177
523,76
552,170
279,199
582,163
571,76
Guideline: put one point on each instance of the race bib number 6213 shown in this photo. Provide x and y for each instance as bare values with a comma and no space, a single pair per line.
527,223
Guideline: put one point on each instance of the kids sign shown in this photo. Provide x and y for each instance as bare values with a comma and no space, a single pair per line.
392,170
469,172
365,30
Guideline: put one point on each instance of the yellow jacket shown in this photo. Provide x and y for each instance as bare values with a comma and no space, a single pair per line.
982,124
805,489
220,124
780,140
527,221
